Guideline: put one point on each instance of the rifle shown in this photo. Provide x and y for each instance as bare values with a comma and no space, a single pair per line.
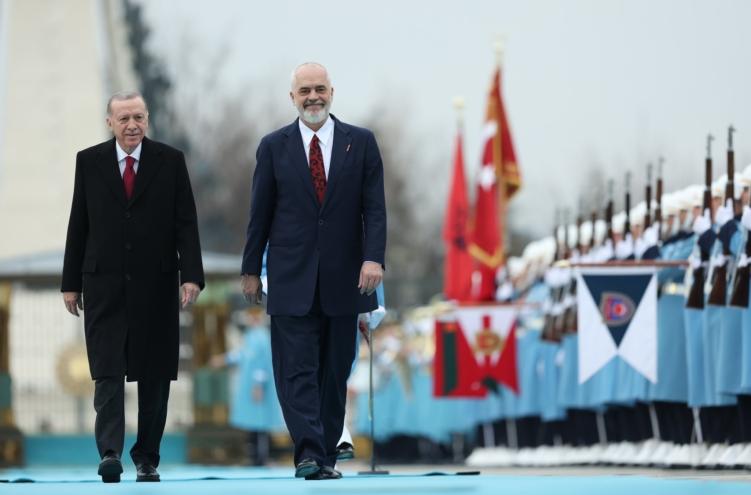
556,224
566,249
627,225
559,325
658,198
696,292
547,329
579,221
739,296
718,294
570,322
648,198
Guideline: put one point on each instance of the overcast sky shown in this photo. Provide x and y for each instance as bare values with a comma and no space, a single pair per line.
612,83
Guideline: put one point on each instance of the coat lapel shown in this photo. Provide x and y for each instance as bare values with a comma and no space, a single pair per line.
107,165
339,153
297,158
148,166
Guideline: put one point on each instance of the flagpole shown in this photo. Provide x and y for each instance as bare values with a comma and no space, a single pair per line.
498,47
371,414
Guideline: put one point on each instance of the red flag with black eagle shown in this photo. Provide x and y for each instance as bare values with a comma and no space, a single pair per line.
457,271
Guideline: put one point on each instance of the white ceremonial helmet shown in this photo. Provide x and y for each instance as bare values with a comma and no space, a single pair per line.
516,266
601,230
637,214
669,205
548,247
586,232
745,176
619,222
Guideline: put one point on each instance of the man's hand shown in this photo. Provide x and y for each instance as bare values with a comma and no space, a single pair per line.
371,275
252,288
73,302
190,293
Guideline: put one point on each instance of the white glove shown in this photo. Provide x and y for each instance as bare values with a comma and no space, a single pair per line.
504,292
624,248
724,214
702,223
566,275
743,261
651,235
746,218
718,260
694,261
550,277
606,252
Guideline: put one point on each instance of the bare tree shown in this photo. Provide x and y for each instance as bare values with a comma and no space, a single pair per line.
414,247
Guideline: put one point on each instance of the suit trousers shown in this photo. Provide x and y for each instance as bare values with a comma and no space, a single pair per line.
312,356
109,428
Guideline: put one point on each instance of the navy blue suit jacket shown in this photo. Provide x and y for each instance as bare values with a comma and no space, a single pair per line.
309,244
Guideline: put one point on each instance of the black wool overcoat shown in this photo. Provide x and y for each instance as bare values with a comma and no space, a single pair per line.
129,257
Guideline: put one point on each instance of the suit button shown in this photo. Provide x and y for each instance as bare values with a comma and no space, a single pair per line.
129,246
127,277
320,222
127,214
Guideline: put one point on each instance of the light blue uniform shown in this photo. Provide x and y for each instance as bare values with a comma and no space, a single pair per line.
254,369
714,319
697,389
730,345
744,385
745,346
568,393
672,379
548,380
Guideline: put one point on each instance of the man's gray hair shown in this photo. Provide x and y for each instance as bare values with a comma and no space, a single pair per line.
125,95
293,78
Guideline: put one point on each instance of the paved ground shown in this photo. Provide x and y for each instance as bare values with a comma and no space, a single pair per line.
195,480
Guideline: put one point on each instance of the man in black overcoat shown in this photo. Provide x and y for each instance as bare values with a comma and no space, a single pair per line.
133,251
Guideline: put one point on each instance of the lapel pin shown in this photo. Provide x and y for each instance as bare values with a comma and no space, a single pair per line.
347,148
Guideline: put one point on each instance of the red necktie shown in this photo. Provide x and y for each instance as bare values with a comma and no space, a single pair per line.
129,176
316,169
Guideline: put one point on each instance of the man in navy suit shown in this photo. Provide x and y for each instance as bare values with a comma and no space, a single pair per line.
318,201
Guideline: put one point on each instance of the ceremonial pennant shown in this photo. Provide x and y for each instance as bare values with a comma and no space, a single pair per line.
617,312
476,351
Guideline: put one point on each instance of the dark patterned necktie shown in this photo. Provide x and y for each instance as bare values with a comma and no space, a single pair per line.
129,176
316,169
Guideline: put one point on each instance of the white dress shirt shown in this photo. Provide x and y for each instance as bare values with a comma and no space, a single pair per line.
325,140
121,154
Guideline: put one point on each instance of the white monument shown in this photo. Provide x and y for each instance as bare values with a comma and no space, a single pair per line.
59,61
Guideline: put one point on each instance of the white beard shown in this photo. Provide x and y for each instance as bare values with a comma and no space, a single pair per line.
314,117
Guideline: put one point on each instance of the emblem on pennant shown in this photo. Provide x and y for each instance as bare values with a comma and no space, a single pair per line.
617,309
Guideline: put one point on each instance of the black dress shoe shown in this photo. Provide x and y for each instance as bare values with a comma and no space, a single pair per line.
306,467
146,472
110,468
325,473
345,451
